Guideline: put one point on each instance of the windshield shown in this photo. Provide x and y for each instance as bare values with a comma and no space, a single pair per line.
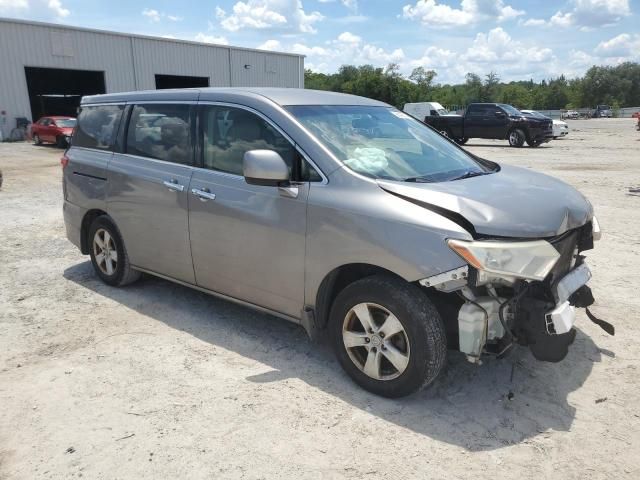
603,107
509,109
66,122
385,143
442,111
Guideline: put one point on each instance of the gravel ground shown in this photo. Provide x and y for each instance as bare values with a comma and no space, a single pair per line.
159,381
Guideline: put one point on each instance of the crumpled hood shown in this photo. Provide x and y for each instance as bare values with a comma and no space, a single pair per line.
513,202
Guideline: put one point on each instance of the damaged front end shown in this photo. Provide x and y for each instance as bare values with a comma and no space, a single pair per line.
522,292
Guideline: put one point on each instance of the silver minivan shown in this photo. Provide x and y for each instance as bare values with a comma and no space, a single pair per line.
337,212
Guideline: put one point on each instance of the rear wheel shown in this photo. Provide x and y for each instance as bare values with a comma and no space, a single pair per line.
516,138
387,336
461,141
109,255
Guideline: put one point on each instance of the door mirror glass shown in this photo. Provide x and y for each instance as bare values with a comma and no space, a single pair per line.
264,167
500,114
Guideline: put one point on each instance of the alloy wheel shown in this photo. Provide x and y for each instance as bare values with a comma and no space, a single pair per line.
105,252
376,341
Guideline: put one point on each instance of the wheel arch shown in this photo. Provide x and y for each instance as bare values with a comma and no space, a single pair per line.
337,280
87,220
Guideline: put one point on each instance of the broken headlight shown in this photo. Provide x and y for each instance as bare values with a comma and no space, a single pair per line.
532,260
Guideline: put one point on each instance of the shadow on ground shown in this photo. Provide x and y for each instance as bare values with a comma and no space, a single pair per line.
501,145
500,403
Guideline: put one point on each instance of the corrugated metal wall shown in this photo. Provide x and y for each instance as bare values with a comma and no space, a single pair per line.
128,62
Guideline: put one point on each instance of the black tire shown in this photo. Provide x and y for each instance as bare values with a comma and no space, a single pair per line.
427,343
516,137
61,142
533,143
461,141
122,274
37,140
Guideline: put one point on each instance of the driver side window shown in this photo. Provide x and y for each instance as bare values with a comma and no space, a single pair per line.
228,133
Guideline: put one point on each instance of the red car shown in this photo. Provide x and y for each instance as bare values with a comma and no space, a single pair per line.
56,130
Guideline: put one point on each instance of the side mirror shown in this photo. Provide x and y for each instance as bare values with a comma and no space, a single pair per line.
500,114
265,167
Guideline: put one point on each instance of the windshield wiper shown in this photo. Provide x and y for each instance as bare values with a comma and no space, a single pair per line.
421,179
469,174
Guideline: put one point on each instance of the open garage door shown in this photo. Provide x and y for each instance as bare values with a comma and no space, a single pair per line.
180,81
57,91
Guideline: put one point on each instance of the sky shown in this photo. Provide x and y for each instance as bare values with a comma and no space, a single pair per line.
518,39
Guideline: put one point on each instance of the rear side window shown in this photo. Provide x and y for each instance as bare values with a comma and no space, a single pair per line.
97,126
162,132
479,110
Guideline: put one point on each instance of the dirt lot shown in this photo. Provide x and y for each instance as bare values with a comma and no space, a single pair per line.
160,381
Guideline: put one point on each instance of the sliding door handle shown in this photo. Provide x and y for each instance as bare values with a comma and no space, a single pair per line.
173,185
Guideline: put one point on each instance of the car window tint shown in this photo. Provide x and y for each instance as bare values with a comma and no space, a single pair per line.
162,132
97,126
230,132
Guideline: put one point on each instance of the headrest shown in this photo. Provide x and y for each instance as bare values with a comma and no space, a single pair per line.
174,133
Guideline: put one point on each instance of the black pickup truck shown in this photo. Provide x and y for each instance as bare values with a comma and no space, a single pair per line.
494,120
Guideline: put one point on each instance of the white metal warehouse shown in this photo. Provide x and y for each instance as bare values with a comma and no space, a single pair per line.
46,68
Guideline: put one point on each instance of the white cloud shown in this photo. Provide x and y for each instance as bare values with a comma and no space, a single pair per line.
348,37
270,45
493,51
534,22
269,14
345,49
54,7
350,4
587,14
624,47
13,5
439,15
220,13
151,14
155,16
497,47
203,37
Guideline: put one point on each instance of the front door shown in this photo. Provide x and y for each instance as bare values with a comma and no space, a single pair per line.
497,123
475,122
247,241
148,189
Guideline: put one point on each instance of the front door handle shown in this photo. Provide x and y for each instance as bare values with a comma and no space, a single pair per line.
173,185
203,194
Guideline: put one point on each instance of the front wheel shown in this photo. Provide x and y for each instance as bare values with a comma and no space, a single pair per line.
461,141
36,139
516,138
387,336
534,143
109,255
